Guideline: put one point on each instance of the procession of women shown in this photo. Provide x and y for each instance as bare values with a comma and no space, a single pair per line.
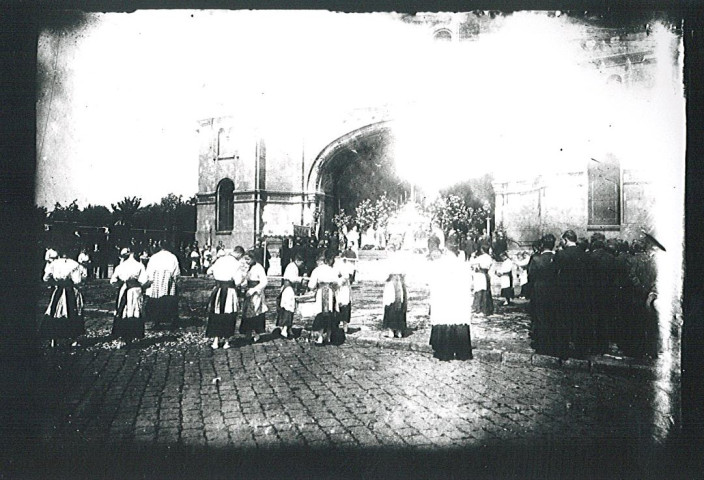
582,298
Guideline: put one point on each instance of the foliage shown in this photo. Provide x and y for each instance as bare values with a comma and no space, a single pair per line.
342,220
375,213
450,212
364,214
477,193
172,217
66,213
95,216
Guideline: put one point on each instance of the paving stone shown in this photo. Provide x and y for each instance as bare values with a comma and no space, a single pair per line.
577,364
492,356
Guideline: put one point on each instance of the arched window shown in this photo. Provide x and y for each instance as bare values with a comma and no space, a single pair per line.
604,192
443,35
225,206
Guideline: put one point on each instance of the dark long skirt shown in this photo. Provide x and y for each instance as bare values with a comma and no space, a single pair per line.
253,324
327,322
221,325
394,318
451,341
163,310
284,318
507,293
128,327
71,326
483,302
345,314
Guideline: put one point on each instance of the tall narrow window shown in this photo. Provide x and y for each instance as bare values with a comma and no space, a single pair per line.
226,148
225,206
604,192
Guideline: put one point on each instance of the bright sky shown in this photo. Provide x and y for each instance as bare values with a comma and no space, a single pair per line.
119,113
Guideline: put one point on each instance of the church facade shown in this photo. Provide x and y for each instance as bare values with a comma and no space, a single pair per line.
257,180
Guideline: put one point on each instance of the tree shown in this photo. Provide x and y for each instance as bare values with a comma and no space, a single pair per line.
375,213
125,210
364,214
95,216
69,213
342,220
451,212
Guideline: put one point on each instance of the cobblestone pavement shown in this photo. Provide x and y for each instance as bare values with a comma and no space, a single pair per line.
292,394
171,406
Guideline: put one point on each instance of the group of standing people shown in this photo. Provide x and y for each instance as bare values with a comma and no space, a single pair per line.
240,280
63,318
586,296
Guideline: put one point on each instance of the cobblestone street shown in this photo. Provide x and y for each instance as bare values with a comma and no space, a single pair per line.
171,406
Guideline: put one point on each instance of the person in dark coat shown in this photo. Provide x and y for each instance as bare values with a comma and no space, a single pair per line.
601,295
542,277
574,322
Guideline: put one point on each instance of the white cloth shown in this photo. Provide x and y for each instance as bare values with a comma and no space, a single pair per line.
228,269
505,270
479,280
50,255
130,269
231,302
63,270
257,274
345,271
389,295
162,271
288,299
324,275
292,273
450,303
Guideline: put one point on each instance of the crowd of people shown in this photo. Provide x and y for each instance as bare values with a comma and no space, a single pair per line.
586,296
151,292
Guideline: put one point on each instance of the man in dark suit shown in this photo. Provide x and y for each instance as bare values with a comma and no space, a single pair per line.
574,323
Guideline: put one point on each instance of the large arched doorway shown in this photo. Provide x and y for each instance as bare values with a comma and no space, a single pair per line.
357,166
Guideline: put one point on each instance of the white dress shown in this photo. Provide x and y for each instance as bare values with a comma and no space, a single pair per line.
133,275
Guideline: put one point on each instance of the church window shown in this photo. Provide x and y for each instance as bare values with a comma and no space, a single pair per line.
225,145
443,35
604,193
225,205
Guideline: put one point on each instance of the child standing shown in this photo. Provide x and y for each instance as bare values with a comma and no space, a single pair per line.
505,272
286,307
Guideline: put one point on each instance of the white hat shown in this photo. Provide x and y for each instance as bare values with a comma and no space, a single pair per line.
125,252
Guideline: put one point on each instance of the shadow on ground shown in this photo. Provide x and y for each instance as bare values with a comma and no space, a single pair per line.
539,459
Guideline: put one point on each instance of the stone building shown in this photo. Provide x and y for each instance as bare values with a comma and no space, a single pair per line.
257,179
614,181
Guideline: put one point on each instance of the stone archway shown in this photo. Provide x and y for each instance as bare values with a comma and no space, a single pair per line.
362,159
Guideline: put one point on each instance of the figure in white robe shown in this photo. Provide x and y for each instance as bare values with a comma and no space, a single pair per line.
450,307
163,272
